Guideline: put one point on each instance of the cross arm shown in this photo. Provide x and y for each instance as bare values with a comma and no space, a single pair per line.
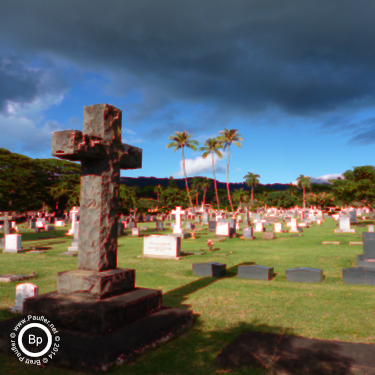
130,157
73,145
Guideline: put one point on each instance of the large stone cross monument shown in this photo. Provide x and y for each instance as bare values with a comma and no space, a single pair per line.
98,303
102,155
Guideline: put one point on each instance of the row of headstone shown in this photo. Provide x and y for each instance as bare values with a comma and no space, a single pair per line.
258,272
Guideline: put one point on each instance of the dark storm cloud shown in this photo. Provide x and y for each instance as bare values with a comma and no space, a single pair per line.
304,57
17,82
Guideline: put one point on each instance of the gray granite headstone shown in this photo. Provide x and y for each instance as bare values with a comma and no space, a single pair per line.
159,225
74,246
255,272
359,276
368,245
210,269
304,275
248,233
212,226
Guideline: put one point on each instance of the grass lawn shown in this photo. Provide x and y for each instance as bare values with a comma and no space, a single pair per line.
223,308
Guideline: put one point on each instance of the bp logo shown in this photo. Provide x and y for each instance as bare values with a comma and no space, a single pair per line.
34,340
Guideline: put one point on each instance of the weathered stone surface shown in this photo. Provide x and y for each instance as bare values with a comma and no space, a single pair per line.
268,235
304,275
86,314
99,284
362,263
102,154
255,272
210,269
359,275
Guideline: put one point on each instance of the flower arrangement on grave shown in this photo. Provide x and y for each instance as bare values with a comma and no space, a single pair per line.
193,235
210,245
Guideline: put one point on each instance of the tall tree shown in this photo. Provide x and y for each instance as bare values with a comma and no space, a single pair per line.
304,182
212,146
180,140
228,137
157,190
240,195
252,180
206,184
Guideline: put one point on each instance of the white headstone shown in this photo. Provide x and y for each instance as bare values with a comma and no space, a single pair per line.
178,212
278,228
293,225
371,228
74,213
258,226
168,247
23,291
222,229
13,243
135,232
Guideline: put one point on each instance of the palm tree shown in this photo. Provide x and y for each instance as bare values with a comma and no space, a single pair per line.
252,180
212,146
196,186
180,140
206,184
228,137
240,195
304,182
157,190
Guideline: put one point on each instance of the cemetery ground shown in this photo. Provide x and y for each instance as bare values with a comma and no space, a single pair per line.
223,307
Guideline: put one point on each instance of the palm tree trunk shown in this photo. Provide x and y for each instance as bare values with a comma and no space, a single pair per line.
196,202
252,190
303,197
186,183
213,171
228,191
204,196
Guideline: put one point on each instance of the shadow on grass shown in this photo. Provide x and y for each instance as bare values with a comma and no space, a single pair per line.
177,297
243,348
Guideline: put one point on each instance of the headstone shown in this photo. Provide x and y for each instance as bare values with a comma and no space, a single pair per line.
304,275
74,213
60,223
344,225
212,226
278,228
258,227
268,235
189,225
98,286
370,228
293,226
222,229
255,272
159,225
23,291
75,244
210,269
13,244
132,224
248,233
177,228
135,232
352,216
165,247
205,218
368,246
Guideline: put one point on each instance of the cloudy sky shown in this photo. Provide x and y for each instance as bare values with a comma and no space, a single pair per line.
296,78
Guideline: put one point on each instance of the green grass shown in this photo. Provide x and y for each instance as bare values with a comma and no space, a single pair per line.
223,308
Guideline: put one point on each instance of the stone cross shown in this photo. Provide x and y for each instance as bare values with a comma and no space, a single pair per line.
6,227
102,155
73,213
178,212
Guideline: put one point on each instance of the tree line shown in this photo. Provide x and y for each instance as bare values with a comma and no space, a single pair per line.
28,184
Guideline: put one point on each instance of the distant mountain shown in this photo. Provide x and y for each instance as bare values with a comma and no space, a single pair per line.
180,182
